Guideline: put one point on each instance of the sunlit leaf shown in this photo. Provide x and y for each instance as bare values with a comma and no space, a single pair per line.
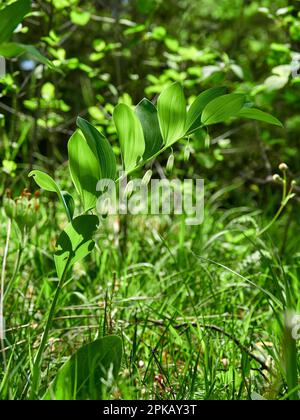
100,147
257,114
80,18
222,108
83,376
135,29
172,113
75,242
131,135
46,182
48,91
193,120
11,16
147,114
84,169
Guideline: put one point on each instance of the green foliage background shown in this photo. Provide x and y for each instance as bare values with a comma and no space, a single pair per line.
147,276
122,50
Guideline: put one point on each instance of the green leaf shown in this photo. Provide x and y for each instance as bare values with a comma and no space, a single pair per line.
131,135
257,114
193,120
35,54
100,147
80,18
11,16
147,114
222,108
84,375
134,29
84,169
75,242
172,113
14,49
70,203
46,182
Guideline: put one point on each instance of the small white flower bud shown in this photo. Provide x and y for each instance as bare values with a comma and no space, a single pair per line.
170,163
283,167
147,177
141,364
128,190
187,152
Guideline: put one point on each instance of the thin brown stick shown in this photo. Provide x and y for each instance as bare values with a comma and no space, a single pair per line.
220,330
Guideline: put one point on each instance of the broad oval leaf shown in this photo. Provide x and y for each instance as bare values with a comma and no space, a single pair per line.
171,107
147,114
75,242
100,147
131,135
84,375
257,114
84,169
193,120
222,108
46,182
11,16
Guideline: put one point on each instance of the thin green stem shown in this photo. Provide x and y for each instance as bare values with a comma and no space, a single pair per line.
286,196
39,356
2,327
284,186
281,208
16,269
144,162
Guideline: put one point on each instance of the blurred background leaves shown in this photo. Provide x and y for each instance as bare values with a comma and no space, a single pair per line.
120,51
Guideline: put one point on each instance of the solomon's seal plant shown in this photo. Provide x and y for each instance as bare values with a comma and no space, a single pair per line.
144,133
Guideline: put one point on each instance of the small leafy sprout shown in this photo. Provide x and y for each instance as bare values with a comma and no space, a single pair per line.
287,193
